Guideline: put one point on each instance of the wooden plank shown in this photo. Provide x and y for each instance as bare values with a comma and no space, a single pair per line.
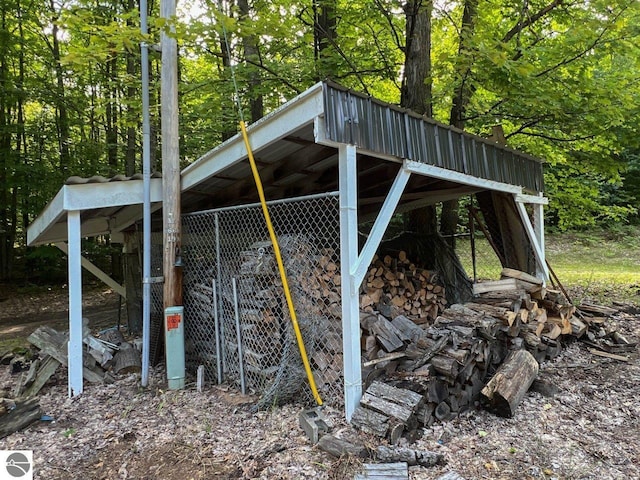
391,356
24,414
507,284
54,343
519,275
383,471
47,368
612,356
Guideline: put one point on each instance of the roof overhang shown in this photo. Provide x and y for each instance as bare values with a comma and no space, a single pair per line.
106,208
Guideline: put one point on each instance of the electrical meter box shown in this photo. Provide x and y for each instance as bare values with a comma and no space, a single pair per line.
174,346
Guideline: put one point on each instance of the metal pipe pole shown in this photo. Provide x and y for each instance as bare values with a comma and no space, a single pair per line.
216,324
146,200
243,387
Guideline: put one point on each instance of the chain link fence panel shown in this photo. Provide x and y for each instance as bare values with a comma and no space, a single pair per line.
241,330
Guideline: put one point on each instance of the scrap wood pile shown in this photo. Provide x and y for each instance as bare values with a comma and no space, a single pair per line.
486,350
34,367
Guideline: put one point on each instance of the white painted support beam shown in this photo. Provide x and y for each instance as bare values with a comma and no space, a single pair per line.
380,226
424,199
48,228
52,213
74,347
300,111
112,194
463,178
535,199
348,187
538,248
91,268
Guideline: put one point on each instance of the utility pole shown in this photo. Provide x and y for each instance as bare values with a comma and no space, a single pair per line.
171,222
172,242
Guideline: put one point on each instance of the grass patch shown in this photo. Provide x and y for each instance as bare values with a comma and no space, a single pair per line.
599,266
10,344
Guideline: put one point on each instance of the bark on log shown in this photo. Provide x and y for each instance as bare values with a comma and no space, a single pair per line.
339,447
505,390
24,414
127,361
408,455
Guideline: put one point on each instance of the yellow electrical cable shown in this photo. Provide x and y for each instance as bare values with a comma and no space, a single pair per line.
283,274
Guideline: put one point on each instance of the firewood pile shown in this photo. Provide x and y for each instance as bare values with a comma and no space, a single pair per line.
393,282
399,283
33,368
434,371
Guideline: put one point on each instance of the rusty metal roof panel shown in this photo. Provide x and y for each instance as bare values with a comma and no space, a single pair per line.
370,124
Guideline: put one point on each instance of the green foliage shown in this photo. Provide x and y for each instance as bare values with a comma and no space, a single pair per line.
562,82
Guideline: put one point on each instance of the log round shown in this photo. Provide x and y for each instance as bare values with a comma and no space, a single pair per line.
506,389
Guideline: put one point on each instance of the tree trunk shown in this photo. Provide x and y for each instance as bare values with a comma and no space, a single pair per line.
324,36
463,87
416,83
461,98
111,114
252,57
61,107
132,114
416,90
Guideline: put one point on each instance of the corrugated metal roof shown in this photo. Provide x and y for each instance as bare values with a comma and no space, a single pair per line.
75,180
376,126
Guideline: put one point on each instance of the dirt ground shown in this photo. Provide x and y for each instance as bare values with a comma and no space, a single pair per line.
589,430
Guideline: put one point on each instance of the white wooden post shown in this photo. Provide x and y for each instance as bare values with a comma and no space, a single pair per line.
74,348
348,256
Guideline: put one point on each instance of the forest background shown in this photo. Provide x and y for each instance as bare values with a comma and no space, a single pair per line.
561,77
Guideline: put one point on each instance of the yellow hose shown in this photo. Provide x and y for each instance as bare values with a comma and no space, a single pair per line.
283,274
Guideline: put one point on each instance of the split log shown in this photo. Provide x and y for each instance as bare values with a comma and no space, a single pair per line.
21,416
387,335
47,368
495,286
408,455
508,386
338,447
370,422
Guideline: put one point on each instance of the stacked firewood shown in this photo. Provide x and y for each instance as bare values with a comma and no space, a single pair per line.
400,283
449,361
